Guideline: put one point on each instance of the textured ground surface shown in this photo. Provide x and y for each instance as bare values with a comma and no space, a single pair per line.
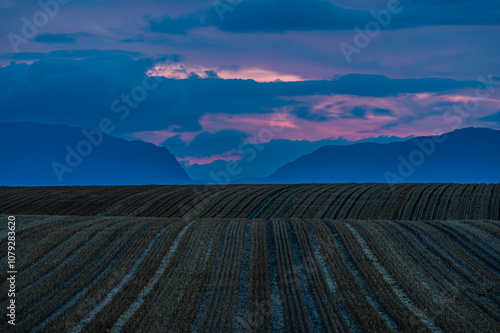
322,201
309,258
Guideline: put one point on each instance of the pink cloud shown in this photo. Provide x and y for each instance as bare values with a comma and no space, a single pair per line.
158,137
410,114
190,160
178,71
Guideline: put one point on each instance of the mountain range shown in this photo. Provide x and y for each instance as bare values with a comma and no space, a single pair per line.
33,154
469,155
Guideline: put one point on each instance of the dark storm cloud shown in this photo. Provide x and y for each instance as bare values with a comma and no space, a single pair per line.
286,15
71,54
206,144
495,118
306,113
81,92
382,112
358,112
54,39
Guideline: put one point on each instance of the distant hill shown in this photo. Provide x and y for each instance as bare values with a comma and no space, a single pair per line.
470,155
38,154
260,161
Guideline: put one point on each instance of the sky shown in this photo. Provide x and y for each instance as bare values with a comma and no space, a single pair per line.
206,79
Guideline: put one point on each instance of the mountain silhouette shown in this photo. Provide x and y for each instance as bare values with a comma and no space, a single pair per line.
35,154
469,155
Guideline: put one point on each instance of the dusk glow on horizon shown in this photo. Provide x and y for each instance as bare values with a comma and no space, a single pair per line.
250,165
202,79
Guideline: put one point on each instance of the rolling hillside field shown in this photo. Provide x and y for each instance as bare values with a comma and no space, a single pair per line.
255,258
322,201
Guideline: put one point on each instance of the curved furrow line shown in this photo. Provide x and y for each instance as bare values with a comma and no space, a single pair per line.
308,212
183,313
235,208
289,202
61,203
53,202
165,196
465,203
424,202
221,195
278,320
30,232
356,200
495,204
154,310
101,204
101,276
294,305
276,203
22,201
310,194
225,192
350,201
333,287
32,275
153,207
432,286
465,259
144,292
456,284
433,247
375,313
225,196
254,209
446,202
365,207
196,209
212,278
483,232
314,282
487,241
325,202
309,282
333,201
228,295
383,198
109,296
53,264
275,197
386,211
313,202
470,242
243,293
403,297
249,204
105,205
341,201
185,199
133,201
455,201
412,198
222,294
474,204
144,202
232,197
41,300
486,203
260,310
432,211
